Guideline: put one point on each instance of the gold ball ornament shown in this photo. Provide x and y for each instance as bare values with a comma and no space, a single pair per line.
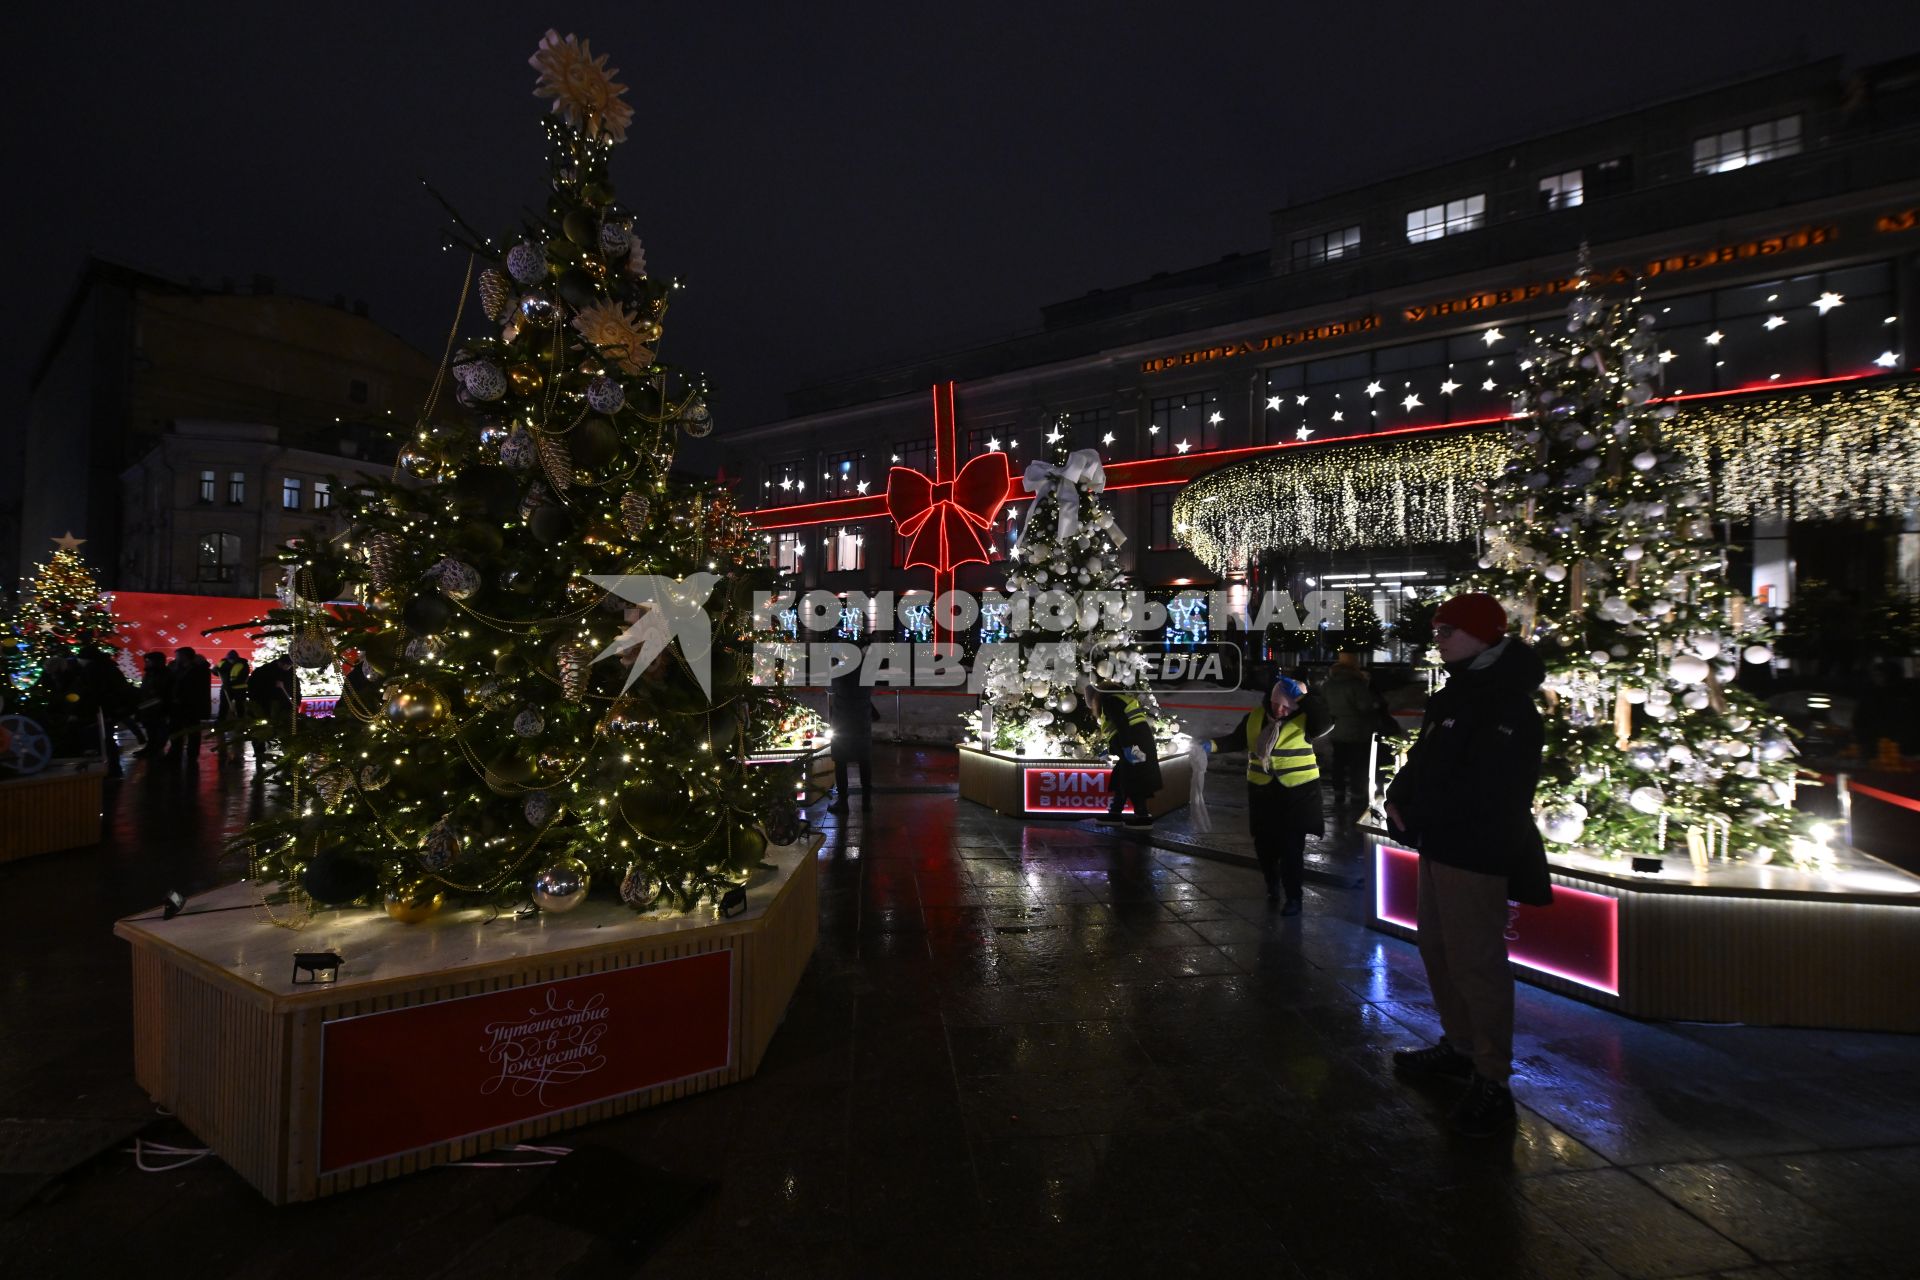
411,901
524,379
416,707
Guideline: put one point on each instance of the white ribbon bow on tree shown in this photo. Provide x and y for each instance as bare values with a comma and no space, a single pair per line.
1082,467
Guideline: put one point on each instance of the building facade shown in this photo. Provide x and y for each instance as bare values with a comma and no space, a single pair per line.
133,354
1772,225
204,510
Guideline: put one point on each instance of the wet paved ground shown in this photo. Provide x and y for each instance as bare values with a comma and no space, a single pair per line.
1020,1050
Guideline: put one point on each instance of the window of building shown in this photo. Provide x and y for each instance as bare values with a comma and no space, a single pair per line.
236,488
1000,439
206,487
289,493
1160,522
322,495
357,391
846,549
1090,429
782,483
1562,190
1187,423
1609,177
788,550
1737,148
219,559
1311,251
845,475
916,455
1451,218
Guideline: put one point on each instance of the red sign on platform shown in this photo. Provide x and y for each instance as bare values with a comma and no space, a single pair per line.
1577,938
410,1078
1070,790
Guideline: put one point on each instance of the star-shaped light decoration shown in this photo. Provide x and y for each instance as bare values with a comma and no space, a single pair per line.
1301,433
1301,398
1216,418
993,444
1492,336
1273,403
860,486
1774,322
1411,403
1487,385
1054,436
1666,357
896,459
1448,387
1182,446
786,482
1107,439
1828,301
1374,388
1153,429
1887,359
1337,417
1713,339
67,542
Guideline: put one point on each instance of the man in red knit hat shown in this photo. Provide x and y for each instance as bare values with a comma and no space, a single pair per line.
1464,800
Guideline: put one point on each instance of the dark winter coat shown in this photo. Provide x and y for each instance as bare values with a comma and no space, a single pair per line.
1466,790
192,690
850,713
1122,729
275,691
1273,809
1355,707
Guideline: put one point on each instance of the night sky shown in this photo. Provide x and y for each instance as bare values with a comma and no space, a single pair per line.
839,184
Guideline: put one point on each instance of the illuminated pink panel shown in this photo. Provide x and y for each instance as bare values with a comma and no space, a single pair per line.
1068,789
1577,938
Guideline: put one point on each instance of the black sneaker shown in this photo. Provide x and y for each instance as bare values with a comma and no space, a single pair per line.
1486,1110
1440,1062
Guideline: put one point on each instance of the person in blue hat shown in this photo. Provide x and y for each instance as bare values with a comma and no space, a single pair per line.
1283,782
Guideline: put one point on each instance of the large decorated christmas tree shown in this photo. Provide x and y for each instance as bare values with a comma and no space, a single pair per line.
1066,567
549,685
1601,542
61,608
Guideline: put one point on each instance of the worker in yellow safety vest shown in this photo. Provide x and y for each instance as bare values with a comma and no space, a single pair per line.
1283,782
1136,769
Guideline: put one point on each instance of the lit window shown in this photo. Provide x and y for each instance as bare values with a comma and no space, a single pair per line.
1451,218
787,551
1737,148
289,494
1562,190
846,549
1194,417
236,488
206,486
219,559
322,495
1311,251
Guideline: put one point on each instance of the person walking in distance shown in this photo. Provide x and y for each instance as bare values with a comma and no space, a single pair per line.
850,714
1283,782
192,695
1136,769
1356,710
233,671
155,707
1464,802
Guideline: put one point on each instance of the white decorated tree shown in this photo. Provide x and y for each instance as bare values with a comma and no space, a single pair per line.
1601,543
1072,631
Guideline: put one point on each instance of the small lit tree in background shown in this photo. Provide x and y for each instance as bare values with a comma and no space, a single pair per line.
1363,631
1069,543
61,605
1601,544
482,746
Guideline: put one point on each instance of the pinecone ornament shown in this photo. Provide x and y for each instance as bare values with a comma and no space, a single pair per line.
496,294
556,461
383,560
633,512
573,662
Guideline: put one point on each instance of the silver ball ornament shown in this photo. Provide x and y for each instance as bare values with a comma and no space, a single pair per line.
562,886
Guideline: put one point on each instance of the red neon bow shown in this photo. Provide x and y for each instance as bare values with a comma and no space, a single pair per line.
943,521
